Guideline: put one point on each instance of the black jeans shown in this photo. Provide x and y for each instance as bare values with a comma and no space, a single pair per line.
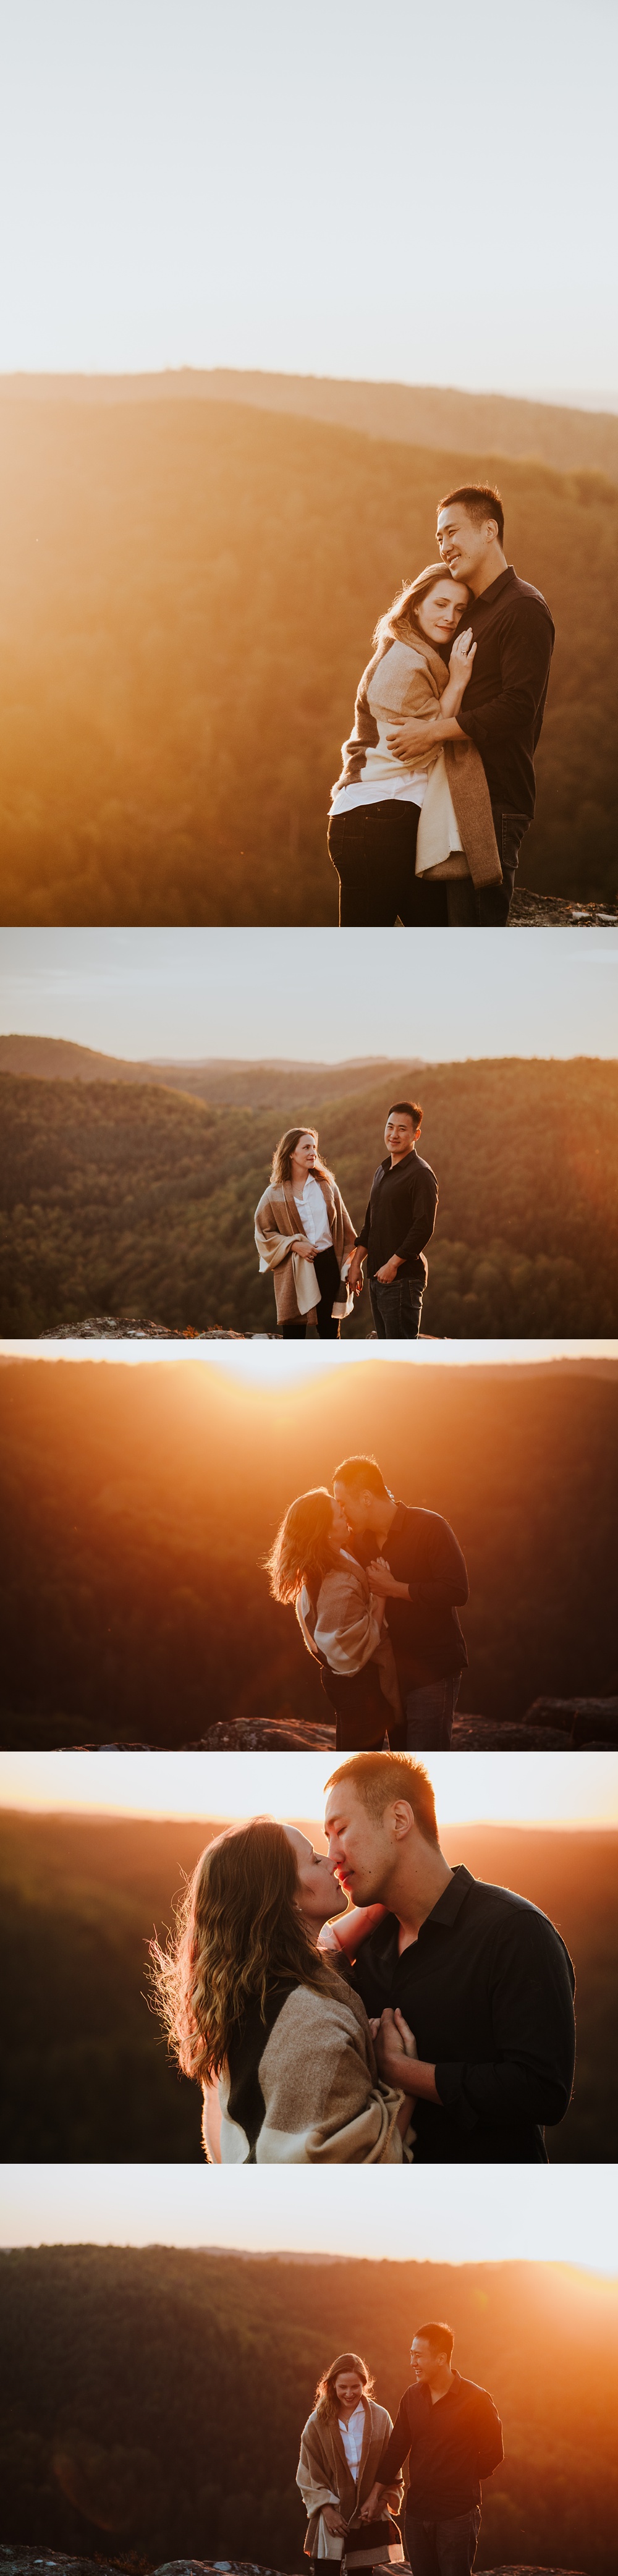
428,1715
474,907
328,1275
396,1309
445,2548
373,850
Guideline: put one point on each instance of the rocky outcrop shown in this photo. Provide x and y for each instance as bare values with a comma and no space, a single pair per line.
580,1721
589,1722
552,912
52,2562
138,1328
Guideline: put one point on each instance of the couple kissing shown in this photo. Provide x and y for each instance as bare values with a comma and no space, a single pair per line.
376,1586
368,2004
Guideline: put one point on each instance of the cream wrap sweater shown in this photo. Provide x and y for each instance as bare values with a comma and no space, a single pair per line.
455,834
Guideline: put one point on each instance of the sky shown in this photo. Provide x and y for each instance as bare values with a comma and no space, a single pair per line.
258,1365
287,187
195,993
400,2215
496,1788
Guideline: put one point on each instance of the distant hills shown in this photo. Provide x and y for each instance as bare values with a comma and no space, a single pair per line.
439,416
135,1193
189,590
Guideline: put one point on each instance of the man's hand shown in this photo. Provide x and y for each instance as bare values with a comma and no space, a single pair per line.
389,1270
383,1582
334,2519
413,737
355,1273
370,2510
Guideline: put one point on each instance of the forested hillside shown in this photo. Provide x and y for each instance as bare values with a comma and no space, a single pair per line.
189,592
442,416
137,1504
92,2082
127,1197
157,2397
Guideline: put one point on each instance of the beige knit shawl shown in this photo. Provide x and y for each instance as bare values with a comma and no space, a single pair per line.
278,1222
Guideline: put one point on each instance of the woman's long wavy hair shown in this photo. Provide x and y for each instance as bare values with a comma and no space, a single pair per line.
326,2407
302,1550
239,1931
282,1157
400,622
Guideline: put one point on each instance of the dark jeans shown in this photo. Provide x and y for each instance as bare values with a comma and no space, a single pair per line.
327,1273
428,1715
474,907
396,1310
373,850
445,2548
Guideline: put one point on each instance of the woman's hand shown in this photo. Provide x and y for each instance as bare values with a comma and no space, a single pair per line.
334,2519
382,1581
305,1249
461,657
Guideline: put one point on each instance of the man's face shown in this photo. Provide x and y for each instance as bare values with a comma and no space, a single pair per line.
423,2360
463,541
399,1134
359,1848
320,1894
359,1509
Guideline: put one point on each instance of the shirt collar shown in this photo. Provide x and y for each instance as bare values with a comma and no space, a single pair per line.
444,1912
504,580
388,1166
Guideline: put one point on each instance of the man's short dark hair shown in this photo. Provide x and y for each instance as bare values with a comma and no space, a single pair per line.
481,500
408,1108
363,1475
440,2339
379,1778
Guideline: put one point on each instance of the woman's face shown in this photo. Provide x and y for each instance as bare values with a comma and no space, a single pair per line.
440,612
340,1530
304,1155
319,1893
349,2388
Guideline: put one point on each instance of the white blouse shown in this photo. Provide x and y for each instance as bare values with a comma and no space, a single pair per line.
312,1207
352,2438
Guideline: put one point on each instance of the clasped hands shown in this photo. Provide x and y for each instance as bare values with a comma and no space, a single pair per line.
393,2042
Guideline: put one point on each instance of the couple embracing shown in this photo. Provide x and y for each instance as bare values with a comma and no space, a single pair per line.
367,2004
376,1586
437,788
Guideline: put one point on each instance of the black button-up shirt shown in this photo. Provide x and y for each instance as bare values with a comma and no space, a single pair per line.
422,1551
504,703
488,1991
452,2445
401,1215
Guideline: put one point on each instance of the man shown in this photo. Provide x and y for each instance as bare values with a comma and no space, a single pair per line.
399,1220
452,2434
471,1986
424,1583
504,701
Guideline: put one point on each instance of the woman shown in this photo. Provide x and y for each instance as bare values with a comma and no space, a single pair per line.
398,836
342,1620
305,1236
251,2007
340,2453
